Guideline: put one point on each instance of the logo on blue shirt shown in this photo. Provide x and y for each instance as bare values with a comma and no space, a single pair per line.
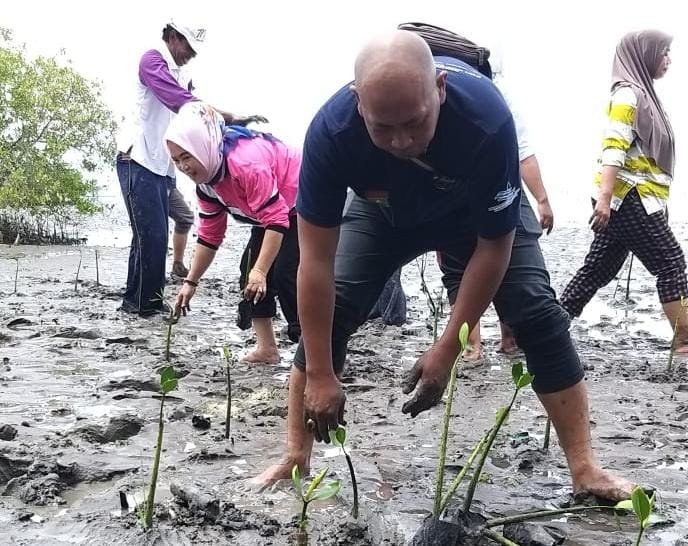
504,198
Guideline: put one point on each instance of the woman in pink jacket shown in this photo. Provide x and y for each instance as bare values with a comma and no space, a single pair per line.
253,177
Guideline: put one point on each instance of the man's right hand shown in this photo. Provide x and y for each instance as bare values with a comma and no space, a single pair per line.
324,402
429,377
181,305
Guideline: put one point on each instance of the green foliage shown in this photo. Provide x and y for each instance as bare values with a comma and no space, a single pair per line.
463,336
338,437
55,132
520,378
168,380
642,506
168,383
315,491
439,481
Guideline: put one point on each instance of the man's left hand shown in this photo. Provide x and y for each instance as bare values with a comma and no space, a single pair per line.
245,120
546,216
429,377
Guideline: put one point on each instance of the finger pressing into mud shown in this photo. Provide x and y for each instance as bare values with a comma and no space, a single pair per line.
411,377
423,400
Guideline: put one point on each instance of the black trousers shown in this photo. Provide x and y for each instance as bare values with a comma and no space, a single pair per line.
371,248
281,279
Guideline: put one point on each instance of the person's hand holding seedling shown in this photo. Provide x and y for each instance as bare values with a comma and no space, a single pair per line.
256,285
430,375
324,401
186,292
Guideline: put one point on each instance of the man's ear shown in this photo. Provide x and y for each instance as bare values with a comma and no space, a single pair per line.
353,89
441,82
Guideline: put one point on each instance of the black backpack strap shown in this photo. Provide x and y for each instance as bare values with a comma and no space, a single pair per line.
447,43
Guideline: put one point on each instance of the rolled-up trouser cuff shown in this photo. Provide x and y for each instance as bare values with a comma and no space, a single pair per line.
550,355
338,357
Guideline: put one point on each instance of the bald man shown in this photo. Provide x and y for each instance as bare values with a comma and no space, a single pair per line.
428,145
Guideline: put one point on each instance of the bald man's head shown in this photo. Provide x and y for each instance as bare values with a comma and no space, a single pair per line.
399,92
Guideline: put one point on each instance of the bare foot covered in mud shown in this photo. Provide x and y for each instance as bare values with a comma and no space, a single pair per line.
603,485
262,356
277,472
681,349
508,346
473,353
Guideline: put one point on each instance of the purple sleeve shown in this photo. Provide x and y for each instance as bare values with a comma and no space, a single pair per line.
155,74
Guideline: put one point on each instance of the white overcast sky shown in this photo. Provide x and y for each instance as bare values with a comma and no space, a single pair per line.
284,59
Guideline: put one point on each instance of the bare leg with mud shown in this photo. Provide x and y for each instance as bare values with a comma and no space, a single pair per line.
179,246
568,410
299,440
676,314
474,351
266,346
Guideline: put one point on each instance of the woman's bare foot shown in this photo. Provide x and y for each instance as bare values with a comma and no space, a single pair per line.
681,349
262,356
603,485
508,346
280,471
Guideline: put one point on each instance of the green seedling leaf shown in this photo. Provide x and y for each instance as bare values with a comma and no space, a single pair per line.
296,479
517,372
319,477
525,380
626,505
641,506
168,380
338,437
463,335
228,354
325,492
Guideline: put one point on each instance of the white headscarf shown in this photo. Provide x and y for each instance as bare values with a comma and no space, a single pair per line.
198,129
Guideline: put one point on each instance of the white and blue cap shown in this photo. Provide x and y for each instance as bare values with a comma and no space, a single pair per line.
194,35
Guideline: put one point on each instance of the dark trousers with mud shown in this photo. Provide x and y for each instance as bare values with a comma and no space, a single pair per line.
370,249
281,280
145,196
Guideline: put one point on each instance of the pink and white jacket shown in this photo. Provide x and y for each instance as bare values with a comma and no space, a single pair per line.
257,185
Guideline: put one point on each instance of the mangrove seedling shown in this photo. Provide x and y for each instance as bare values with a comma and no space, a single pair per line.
521,379
227,352
338,438
97,270
78,269
314,492
424,288
439,312
641,505
548,432
168,383
439,485
16,275
171,320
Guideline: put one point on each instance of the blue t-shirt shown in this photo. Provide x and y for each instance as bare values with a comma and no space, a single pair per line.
474,157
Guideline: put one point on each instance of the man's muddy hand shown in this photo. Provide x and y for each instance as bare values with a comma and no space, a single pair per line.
324,402
429,377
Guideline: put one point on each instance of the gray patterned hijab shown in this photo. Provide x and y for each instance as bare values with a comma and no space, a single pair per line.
638,57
